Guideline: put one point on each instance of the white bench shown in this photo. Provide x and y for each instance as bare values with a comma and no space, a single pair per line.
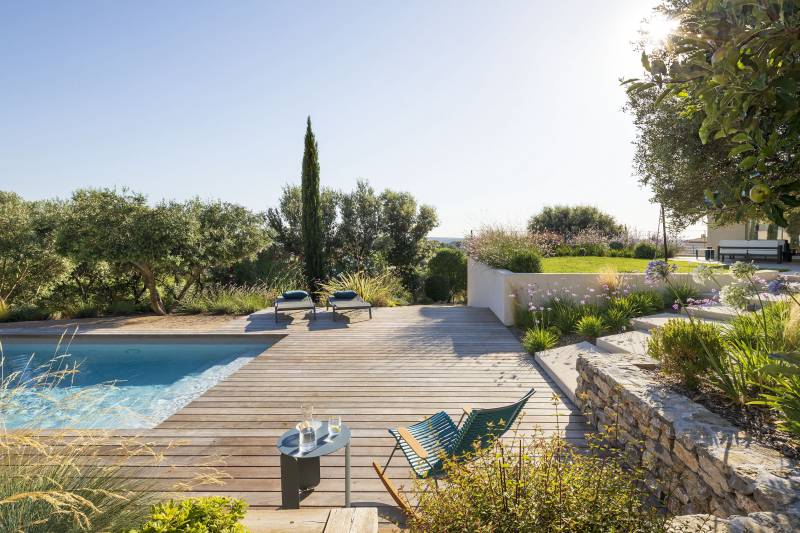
772,249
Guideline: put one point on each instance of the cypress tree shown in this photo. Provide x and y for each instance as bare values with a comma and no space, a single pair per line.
311,223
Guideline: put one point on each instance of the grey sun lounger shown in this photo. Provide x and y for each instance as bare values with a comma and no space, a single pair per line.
286,304
341,304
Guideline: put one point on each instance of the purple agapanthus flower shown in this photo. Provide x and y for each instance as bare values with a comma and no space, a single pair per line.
779,285
658,271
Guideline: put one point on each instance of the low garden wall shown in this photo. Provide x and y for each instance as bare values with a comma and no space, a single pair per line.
491,287
697,460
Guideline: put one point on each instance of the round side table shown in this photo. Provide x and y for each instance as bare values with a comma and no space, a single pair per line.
300,471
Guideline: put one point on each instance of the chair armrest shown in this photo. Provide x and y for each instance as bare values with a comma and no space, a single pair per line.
406,435
467,409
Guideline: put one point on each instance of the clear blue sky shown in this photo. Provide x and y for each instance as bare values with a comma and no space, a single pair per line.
486,110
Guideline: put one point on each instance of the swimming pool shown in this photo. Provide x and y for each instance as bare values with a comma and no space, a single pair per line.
120,382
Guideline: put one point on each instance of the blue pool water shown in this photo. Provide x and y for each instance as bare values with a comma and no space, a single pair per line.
118,383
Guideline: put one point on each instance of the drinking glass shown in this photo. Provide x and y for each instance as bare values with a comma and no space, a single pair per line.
334,426
308,437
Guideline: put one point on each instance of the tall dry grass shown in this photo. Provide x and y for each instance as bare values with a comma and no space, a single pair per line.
74,480
381,290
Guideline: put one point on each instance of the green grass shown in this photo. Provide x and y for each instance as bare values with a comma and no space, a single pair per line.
596,264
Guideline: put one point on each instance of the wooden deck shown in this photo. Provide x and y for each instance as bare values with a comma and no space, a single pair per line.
404,364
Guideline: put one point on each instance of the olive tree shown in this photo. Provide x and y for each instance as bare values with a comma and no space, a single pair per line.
735,65
29,261
566,220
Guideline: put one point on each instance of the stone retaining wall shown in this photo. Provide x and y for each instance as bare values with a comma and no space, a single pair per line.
696,459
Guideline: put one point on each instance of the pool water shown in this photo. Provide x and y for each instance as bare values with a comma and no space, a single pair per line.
118,383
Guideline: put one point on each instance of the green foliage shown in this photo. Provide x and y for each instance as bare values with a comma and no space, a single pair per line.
229,300
783,395
496,247
451,263
30,265
745,60
381,290
311,222
437,288
681,292
537,484
406,227
616,319
686,348
646,302
23,313
537,339
179,241
590,326
525,261
360,232
645,250
564,315
569,220
212,514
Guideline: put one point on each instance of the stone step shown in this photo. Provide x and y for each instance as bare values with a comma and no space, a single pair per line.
559,364
632,342
313,520
723,313
646,323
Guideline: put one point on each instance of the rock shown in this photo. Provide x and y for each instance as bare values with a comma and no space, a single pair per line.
698,523
765,523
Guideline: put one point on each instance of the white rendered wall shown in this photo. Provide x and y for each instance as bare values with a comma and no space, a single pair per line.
492,288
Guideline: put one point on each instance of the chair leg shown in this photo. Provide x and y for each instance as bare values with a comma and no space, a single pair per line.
370,313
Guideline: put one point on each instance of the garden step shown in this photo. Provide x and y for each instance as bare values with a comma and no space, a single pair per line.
559,364
631,343
646,323
723,313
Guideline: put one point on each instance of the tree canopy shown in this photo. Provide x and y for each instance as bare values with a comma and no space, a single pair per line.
182,241
567,221
733,68
29,261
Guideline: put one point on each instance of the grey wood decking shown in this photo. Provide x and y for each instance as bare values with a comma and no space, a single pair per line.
404,364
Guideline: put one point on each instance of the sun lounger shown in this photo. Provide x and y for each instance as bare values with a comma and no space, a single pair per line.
348,304
290,304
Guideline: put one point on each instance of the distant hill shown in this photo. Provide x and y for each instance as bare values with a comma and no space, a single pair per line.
446,240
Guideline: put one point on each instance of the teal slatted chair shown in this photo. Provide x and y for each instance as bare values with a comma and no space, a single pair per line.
425,444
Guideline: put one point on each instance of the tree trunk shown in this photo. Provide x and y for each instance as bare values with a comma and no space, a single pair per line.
150,282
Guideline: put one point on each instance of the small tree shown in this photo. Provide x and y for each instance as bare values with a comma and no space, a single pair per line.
569,220
311,225
360,227
406,228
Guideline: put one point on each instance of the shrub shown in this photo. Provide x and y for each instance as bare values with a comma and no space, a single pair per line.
616,245
496,246
624,306
646,302
610,280
564,314
537,484
525,261
437,288
784,394
681,293
538,339
212,514
685,349
228,300
616,319
86,311
26,312
126,307
381,290
452,264
645,250
590,326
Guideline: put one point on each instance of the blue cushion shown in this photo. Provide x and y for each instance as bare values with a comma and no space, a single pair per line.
345,295
295,295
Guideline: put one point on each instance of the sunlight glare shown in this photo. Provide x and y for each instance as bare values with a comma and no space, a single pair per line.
658,28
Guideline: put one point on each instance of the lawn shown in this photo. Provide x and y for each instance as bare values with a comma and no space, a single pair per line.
596,264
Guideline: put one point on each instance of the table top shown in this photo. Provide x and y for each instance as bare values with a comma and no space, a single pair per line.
288,443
